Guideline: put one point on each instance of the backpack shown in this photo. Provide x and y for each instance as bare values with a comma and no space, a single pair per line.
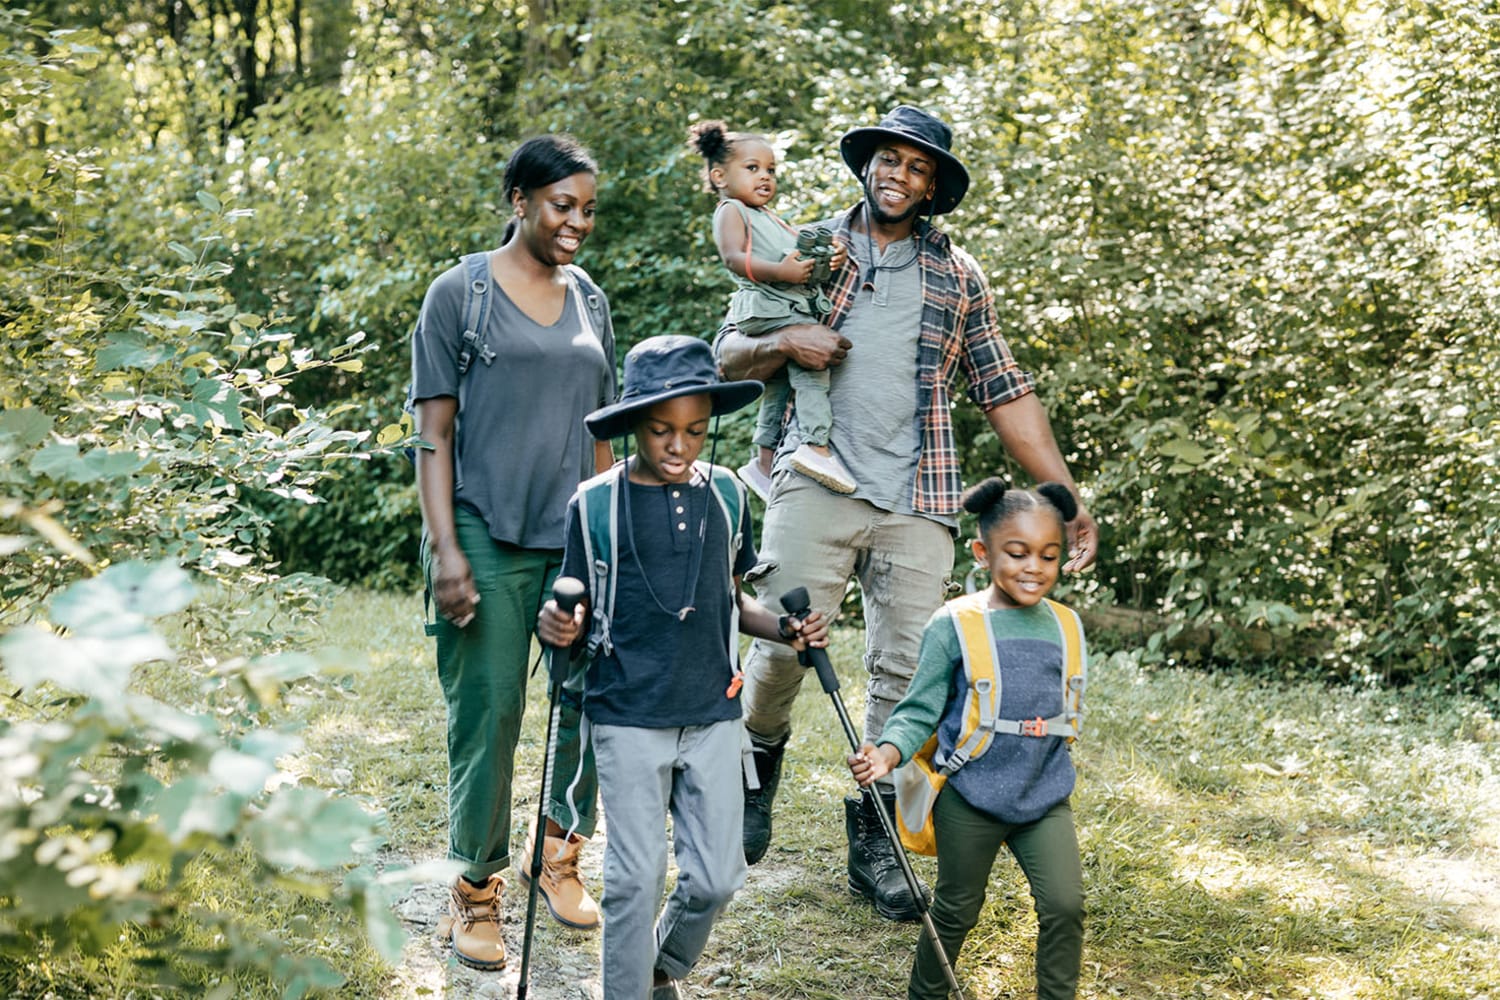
586,296
599,512
921,778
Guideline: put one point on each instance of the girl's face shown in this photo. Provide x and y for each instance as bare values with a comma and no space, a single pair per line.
669,438
556,219
1023,553
749,174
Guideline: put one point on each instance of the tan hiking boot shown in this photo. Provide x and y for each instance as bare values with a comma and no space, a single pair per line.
567,899
473,923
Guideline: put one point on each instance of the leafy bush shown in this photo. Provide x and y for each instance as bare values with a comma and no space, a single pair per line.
109,796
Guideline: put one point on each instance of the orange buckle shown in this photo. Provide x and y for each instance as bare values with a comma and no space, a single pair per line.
735,685
1034,727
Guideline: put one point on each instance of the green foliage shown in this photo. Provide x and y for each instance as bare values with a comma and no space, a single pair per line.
111,797
1249,255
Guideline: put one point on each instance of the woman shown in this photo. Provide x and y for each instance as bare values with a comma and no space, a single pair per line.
500,413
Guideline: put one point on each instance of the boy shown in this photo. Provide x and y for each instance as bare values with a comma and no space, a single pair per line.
661,692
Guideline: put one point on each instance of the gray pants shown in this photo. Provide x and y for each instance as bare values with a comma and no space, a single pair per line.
817,539
643,773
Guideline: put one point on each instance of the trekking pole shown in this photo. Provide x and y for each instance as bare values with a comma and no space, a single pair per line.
798,605
567,592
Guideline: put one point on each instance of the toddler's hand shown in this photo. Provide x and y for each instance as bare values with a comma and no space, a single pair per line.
840,255
795,269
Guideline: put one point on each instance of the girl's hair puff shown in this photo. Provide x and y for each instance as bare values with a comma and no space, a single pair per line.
994,503
713,141
540,161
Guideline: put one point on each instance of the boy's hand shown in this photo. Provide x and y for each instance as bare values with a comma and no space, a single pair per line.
872,763
556,627
809,631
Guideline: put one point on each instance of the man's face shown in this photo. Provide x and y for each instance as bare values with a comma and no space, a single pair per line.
898,179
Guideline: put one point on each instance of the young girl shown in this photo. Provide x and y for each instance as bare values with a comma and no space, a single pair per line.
1016,793
661,694
760,250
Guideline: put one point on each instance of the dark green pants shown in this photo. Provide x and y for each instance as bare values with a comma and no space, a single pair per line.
482,669
1047,850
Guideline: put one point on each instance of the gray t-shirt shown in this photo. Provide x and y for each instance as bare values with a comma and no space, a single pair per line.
521,447
873,394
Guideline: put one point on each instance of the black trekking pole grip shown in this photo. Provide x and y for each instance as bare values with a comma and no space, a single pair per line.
798,605
567,591
796,602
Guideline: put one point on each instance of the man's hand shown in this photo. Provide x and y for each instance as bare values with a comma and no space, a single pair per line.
1083,542
814,346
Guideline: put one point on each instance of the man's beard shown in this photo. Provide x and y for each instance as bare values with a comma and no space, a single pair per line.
879,215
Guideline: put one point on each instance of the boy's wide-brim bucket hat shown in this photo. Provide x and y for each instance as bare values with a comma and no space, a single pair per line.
918,128
664,367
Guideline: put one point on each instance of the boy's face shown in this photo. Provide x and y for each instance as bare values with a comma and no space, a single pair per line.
668,439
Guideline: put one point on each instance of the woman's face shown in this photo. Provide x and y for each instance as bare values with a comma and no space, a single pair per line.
553,221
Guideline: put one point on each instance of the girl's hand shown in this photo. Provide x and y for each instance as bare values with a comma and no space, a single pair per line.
873,763
556,627
794,269
453,585
809,631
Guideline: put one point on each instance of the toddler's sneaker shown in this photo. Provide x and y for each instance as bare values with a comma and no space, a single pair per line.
755,480
824,469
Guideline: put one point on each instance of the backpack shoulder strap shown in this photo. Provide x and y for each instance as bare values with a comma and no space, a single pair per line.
977,642
476,305
599,512
1075,664
587,297
730,494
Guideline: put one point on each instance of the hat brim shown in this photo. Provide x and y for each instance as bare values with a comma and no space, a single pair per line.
859,144
617,419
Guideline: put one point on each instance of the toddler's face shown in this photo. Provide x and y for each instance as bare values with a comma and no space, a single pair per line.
749,174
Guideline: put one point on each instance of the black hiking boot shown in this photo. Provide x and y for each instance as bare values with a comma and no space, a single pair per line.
757,836
874,871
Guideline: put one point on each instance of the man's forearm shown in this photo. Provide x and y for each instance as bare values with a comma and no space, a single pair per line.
749,357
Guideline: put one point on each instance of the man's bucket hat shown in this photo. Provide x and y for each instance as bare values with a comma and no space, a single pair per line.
918,128
660,368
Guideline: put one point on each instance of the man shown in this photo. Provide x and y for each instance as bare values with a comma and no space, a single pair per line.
910,312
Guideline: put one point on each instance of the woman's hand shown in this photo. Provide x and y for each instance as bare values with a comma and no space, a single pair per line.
453,585
556,627
873,763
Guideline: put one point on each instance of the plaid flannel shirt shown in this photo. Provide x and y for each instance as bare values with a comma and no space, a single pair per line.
959,332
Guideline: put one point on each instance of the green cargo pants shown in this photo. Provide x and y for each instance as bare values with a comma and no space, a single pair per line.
482,669
1047,850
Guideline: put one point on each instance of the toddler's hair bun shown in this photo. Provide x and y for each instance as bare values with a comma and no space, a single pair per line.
983,495
1060,497
710,139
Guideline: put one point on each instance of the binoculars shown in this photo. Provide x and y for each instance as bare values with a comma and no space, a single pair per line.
816,243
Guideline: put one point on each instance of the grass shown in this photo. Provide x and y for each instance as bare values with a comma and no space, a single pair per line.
1241,839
